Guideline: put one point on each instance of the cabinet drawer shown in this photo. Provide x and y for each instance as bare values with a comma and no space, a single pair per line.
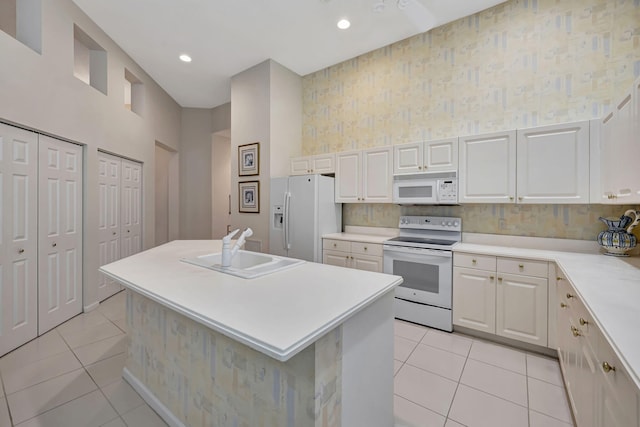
521,266
366,248
336,245
481,262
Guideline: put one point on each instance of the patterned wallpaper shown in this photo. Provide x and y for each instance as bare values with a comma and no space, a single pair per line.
520,64
207,379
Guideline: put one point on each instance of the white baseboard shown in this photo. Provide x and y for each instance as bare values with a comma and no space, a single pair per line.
151,399
90,307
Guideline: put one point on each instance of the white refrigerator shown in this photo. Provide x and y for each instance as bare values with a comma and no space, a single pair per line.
302,210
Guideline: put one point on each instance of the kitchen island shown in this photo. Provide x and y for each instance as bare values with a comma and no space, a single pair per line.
311,345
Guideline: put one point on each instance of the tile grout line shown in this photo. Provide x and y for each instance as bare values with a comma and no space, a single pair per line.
458,385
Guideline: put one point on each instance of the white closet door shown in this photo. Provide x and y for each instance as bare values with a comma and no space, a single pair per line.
18,237
131,208
109,169
60,232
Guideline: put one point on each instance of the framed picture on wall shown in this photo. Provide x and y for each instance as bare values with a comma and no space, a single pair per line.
249,196
249,159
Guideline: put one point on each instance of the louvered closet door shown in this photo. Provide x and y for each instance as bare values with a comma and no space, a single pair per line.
131,208
59,233
18,237
109,168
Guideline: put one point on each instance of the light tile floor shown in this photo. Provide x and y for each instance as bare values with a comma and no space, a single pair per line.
71,377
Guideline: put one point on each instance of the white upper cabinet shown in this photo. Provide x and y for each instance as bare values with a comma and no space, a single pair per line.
364,176
377,179
487,168
620,150
321,163
430,156
348,177
553,164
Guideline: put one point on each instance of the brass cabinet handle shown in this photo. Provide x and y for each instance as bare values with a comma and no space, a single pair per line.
563,305
559,278
608,368
499,279
520,266
419,167
347,257
510,197
335,245
491,277
114,233
575,331
473,261
365,248
20,251
54,244
351,257
569,296
583,322
520,198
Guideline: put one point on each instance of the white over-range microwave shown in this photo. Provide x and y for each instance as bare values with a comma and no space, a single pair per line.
426,189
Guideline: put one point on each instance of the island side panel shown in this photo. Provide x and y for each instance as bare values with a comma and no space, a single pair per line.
195,376
367,366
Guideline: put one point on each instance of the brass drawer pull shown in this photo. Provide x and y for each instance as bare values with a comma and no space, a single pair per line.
520,266
569,296
583,322
608,368
559,278
563,305
20,251
575,331
473,261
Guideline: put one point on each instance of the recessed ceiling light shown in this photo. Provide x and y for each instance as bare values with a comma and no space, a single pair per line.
343,24
185,58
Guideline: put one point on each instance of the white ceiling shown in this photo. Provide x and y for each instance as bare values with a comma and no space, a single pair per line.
225,37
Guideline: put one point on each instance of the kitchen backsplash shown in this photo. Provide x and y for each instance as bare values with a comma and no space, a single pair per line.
560,221
520,64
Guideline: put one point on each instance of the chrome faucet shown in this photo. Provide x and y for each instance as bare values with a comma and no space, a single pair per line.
227,251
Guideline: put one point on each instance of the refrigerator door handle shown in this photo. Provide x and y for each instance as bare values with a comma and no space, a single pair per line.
287,199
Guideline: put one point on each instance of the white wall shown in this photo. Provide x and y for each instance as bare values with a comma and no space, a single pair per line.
221,183
286,118
266,107
40,92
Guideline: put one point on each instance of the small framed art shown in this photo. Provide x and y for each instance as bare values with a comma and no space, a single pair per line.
249,159
249,196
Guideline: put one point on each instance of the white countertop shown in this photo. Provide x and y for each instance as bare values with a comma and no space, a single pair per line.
609,287
279,314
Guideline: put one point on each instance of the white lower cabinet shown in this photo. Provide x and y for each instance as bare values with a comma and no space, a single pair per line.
502,296
601,392
358,255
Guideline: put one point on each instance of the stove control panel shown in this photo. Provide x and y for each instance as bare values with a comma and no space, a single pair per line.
431,223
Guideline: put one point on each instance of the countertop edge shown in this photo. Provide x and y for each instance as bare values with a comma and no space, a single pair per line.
279,354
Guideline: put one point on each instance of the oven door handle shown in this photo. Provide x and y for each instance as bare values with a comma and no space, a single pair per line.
416,251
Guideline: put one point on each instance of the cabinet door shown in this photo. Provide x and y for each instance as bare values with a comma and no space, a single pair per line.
18,237
366,262
408,158
621,164
377,175
487,169
348,176
300,166
474,299
521,313
553,164
60,232
323,163
338,258
441,155
607,153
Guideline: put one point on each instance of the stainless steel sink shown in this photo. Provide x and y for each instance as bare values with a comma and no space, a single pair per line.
245,264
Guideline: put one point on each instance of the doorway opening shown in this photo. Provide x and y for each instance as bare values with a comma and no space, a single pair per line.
166,194
220,183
